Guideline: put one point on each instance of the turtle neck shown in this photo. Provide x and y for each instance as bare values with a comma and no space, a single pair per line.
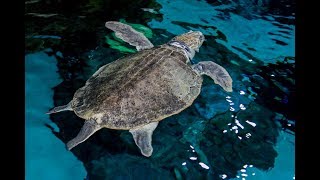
187,51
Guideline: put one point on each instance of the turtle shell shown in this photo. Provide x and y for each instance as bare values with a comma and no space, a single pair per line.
138,89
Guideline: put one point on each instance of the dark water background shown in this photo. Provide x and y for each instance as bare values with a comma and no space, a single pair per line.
246,134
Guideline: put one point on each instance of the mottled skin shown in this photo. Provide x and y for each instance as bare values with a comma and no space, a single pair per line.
190,39
136,92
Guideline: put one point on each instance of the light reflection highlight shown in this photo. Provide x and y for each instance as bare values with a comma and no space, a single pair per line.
251,123
224,131
203,165
223,176
244,172
238,123
242,107
245,175
247,136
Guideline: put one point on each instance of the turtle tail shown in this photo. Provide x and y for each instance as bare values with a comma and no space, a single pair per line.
66,107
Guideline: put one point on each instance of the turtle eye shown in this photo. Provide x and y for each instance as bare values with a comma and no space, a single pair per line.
202,38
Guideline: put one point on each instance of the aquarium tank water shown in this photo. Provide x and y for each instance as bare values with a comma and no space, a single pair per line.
248,134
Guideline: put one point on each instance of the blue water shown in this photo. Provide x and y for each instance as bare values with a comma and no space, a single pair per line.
246,134
46,156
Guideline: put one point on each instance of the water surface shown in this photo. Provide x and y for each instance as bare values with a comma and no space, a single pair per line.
246,134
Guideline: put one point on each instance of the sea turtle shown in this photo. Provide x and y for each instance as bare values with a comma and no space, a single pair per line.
137,91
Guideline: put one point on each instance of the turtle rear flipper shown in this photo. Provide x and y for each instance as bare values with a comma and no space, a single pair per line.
88,129
215,72
143,138
66,107
129,35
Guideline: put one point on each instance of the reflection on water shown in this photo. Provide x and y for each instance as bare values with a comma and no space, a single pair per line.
246,134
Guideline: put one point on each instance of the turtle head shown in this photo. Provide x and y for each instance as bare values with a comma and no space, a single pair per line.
193,39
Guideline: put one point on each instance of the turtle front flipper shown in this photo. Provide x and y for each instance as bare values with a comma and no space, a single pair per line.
143,138
216,72
89,128
129,35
